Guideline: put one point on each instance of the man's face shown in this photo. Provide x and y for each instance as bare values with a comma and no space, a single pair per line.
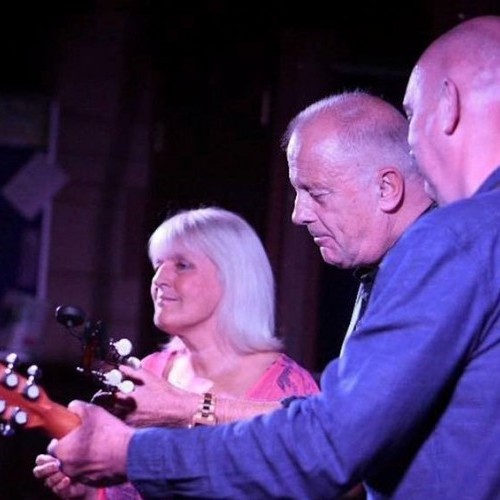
338,208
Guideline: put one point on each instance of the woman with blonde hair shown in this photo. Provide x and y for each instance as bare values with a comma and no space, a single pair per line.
214,296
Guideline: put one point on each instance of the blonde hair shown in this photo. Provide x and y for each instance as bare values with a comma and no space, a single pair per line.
247,312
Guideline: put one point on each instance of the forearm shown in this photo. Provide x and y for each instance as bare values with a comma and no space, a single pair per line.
247,453
209,409
180,410
230,410
159,404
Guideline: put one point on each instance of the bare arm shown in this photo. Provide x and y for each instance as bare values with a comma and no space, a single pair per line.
230,410
158,403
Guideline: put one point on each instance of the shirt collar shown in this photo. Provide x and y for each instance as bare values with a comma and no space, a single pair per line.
365,274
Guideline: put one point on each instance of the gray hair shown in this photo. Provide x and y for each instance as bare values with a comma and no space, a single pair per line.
247,313
366,127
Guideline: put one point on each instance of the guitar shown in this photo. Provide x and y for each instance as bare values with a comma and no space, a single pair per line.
24,404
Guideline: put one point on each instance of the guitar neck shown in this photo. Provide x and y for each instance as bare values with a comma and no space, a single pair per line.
41,412
54,419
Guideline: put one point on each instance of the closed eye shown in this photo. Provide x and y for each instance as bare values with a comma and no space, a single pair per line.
182,265
318,195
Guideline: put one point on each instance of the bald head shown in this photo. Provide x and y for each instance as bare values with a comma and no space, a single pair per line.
453,101
470,52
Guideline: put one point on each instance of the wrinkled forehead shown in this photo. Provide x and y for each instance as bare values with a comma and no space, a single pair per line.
308,166
317,170
313,144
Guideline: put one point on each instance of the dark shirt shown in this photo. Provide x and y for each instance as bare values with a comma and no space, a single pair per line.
366,277
412,407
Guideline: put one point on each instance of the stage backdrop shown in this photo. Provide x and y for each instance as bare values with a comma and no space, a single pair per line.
29,178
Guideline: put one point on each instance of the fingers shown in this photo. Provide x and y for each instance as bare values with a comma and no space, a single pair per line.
61,486
57,480
46,466
136,374
45,459
64,487
48,469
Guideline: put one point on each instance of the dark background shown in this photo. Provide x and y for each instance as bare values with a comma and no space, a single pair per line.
228,76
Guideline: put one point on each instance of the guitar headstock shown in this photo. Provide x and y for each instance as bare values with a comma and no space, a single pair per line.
24,404
100,356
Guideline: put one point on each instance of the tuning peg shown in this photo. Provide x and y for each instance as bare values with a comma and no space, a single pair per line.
120,353
10,379
11,359
19,418
6,429
123,347
114,378
31,389
133,362
127,386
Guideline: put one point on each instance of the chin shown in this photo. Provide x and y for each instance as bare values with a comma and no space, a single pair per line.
157,321
331,260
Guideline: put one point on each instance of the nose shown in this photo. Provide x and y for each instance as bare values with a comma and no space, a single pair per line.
302,213
158,281
161,276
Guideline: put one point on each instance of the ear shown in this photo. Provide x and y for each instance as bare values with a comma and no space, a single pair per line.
449,107
391,189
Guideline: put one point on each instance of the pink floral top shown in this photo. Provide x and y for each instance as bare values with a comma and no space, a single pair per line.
283,378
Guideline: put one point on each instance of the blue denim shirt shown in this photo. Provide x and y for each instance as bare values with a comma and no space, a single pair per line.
412,407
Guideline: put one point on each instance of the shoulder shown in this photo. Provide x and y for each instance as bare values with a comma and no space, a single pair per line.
283,378
467,219
449,252
460,231
290,374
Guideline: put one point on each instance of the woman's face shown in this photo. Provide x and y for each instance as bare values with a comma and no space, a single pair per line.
186,290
